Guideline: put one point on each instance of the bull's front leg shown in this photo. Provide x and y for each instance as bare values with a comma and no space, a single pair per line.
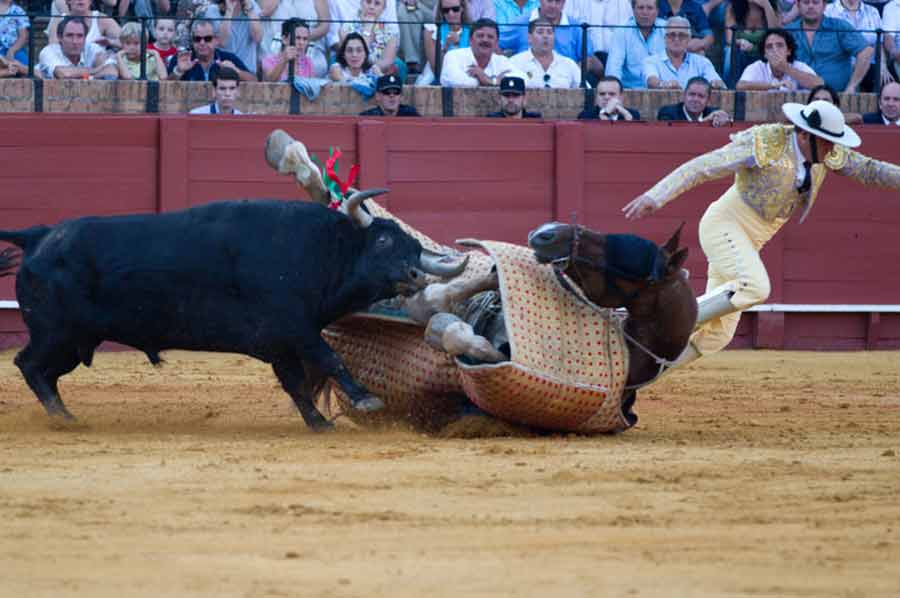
322,357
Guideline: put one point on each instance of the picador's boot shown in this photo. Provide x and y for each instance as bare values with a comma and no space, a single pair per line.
715,304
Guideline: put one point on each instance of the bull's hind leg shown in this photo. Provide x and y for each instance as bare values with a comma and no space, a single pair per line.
294,382
42,369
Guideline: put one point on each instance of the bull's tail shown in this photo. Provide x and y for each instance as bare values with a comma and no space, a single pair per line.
27,238
9,259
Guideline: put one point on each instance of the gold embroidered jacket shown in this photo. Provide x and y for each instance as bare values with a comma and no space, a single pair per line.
764,163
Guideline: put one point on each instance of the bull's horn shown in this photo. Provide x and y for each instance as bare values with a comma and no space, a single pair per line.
439,264
353,206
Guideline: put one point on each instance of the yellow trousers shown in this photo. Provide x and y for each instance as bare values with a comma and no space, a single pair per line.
731,235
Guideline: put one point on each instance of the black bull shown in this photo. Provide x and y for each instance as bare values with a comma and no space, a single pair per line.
261,278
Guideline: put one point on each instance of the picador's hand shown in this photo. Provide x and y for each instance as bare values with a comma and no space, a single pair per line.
639,207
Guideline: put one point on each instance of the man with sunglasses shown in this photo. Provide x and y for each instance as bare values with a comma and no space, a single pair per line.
512,100
542,65
676,66
202,63
388,90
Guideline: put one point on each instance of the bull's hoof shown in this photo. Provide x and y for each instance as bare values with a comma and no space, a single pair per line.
369,404
61,414
321,427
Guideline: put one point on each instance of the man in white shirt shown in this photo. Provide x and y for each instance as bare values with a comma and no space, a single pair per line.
348,10
543,67
606,17
226,91
479,64
72,58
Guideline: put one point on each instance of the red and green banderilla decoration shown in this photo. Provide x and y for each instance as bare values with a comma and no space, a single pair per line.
333,182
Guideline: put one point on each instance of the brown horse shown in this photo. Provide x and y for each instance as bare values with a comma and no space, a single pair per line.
626,271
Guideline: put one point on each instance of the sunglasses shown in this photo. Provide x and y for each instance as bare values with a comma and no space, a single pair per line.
203,38
678,35
546,79
449,9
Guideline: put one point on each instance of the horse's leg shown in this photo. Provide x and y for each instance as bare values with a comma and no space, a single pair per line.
444,296
447,332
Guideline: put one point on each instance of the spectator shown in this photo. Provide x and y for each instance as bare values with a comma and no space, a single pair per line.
388,90
226,89
381,39
479,64
13,39
201,63
513,11
701,33
866,20
512,100
242,36
416,13
139,9
314,12
746,22
644,37
542,65
888,107
605,17
450,26
349,10
830,46
567,36
275,66
481,9
102,30
128,59
164,34
891,23
72,57
778,69
828,94
608,103
353,64
694,106
673,68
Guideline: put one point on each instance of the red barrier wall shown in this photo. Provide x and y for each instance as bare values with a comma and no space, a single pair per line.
466,178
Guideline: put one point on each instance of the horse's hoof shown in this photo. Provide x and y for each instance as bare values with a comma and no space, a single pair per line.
369,404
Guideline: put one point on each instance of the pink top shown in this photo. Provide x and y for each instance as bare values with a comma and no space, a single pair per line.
302,68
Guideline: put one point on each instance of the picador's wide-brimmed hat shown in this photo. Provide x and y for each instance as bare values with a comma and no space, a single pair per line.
824,120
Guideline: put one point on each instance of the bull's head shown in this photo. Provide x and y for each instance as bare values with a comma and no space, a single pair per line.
397,255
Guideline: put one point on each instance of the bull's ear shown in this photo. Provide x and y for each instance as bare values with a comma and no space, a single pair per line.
672,244
677,260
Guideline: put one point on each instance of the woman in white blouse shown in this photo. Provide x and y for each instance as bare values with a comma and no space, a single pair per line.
777,70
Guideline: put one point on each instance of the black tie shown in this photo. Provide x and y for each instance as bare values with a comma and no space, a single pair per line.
807,179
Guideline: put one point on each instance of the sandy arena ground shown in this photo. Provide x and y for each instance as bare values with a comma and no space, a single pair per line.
750,474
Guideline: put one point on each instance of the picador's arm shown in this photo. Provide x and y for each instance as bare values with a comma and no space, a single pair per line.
866,170
708,167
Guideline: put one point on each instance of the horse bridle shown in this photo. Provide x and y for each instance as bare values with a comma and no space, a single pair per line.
574,258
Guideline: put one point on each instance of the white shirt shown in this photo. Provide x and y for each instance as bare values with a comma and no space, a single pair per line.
348,10
208,109
92,56
801,168
456,63
600,12
891,21
761,72
890,122
563,72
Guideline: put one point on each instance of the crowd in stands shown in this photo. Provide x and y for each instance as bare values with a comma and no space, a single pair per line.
377,46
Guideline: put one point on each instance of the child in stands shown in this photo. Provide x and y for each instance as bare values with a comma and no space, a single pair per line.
129,57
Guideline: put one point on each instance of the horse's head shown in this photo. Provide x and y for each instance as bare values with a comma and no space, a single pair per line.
611,270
